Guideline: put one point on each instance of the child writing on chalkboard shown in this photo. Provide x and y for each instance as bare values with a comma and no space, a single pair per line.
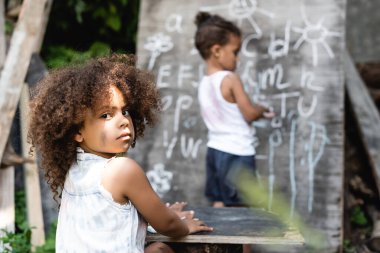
225,108
81,118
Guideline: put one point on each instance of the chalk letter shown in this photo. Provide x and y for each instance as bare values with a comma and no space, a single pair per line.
184,72
163,71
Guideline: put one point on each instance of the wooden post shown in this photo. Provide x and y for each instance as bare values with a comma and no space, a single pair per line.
3,44
366,114
7,200
32,182
17,61
24,41
44,22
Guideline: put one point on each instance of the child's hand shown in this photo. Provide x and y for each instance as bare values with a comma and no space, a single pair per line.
196,225
269,114
177,207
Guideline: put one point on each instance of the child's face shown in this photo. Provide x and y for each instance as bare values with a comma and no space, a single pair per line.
228,54
107,129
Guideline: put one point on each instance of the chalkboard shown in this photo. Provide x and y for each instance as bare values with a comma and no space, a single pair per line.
291,59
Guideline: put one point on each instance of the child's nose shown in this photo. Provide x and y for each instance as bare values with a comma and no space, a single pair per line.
124,121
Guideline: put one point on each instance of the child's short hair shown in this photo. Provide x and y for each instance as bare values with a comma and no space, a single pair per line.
212,30
60,100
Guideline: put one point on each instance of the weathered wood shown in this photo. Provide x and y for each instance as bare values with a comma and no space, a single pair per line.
362,34
17,61
31,177
209,248
7,204
42,30
366,114
22,45
11,158
290,238
2,35
238,226
7,200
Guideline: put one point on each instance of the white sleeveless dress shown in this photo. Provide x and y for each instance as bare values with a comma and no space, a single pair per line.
89,220
228,131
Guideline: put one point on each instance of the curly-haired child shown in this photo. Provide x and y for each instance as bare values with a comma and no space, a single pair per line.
81,118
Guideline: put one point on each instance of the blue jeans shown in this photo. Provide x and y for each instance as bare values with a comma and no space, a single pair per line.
220,166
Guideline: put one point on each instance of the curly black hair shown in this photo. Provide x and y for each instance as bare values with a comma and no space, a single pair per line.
60,100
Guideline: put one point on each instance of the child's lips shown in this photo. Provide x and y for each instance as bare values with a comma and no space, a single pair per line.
125,137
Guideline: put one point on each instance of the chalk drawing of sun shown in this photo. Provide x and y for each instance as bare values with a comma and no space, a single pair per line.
316,35
241,10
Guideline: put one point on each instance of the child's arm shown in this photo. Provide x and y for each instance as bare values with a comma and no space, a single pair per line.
233,91
127,179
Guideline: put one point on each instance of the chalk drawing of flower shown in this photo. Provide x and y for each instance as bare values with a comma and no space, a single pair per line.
157,44
160,179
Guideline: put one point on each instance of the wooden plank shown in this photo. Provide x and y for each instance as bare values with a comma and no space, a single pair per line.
238,226
31,175
366,113
291,238
44,22
17,61
209,248
7,200
32,181
2,34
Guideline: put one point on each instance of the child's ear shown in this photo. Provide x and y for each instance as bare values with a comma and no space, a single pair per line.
78,137
215,50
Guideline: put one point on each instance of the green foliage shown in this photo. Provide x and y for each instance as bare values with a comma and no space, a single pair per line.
106,11
347,247
59,56
358,217
9,26
19,242
78,23
20,209
49,246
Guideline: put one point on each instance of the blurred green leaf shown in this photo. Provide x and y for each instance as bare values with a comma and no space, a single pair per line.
114,22
358,217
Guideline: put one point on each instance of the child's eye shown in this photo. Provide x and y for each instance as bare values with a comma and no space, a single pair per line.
105,116
125,113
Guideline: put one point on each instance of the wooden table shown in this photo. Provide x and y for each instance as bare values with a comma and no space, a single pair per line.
232,228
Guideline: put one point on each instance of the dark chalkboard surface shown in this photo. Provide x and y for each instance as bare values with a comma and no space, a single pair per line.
238,226
291,60
240,222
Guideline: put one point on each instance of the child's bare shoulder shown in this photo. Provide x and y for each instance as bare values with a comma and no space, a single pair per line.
124,166
231,77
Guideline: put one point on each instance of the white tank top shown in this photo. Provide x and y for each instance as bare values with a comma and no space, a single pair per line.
228,131
89,220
